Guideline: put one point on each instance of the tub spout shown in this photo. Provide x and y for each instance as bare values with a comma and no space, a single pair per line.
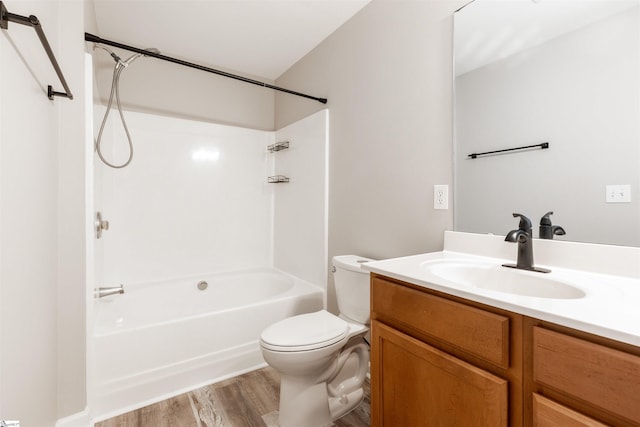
104,292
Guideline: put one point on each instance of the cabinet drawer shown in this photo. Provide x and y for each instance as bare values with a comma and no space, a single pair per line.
601,376
478,332
547,413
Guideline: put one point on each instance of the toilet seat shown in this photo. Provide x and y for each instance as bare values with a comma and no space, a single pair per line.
305,332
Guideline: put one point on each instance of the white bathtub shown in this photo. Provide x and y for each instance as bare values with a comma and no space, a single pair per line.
161,339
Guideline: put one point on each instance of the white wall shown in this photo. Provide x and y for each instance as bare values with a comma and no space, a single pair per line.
387,74
28,218
300,206
74,227
174,215
38,247
580,92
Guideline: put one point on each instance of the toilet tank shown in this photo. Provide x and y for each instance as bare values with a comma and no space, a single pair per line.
352,287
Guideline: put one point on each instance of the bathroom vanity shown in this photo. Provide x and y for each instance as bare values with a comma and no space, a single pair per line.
444,352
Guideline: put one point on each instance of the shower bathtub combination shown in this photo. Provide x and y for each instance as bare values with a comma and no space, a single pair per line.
210,253
160,339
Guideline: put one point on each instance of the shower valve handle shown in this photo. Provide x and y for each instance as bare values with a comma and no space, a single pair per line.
100,225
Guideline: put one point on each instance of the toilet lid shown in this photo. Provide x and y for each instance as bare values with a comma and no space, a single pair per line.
305,332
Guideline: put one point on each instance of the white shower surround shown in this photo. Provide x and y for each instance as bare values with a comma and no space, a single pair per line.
195,199
195,202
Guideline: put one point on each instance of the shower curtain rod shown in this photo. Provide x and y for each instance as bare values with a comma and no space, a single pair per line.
93,38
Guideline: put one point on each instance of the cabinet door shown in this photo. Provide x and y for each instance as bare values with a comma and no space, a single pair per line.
414,384
547,413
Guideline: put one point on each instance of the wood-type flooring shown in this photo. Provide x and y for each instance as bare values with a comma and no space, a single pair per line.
249,400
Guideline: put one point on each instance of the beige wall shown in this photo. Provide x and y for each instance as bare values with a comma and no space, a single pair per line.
151,85
388,76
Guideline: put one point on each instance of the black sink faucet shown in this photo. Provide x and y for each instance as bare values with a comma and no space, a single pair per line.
524,238
547,230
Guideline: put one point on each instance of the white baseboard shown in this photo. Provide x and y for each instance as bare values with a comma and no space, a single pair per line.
80,419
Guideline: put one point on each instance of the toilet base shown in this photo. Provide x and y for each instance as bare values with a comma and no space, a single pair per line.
312,407
341,406
316,402
303,405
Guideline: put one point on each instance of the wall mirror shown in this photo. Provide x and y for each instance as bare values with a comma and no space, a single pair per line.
562,72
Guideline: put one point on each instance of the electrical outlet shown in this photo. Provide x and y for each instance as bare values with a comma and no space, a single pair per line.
618,194
440,197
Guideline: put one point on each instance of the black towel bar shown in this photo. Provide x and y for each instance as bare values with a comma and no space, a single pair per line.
542,146
33,22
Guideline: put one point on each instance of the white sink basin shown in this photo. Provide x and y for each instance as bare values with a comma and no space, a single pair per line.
503,279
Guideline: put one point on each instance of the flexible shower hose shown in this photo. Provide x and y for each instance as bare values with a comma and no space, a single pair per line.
115,85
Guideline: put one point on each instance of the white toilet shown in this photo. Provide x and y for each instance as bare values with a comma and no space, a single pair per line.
323,359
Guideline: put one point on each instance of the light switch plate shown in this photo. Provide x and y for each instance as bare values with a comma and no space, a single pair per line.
618,194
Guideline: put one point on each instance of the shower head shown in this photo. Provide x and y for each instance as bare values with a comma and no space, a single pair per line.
127,61
138,55
109,51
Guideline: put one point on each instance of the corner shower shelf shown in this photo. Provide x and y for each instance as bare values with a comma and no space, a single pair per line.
278,146
277,179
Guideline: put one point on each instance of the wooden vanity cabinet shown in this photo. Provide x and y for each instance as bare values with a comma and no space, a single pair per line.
578,379
439,361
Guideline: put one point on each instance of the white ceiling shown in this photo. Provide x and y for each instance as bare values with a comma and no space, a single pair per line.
489,30
259,37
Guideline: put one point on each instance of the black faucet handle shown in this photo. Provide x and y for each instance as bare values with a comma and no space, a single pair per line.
547,229
525,223
545,220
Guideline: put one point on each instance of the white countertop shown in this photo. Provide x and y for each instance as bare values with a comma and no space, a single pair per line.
610,307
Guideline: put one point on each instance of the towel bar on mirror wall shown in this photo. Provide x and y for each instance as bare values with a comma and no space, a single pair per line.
277,179
542,146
